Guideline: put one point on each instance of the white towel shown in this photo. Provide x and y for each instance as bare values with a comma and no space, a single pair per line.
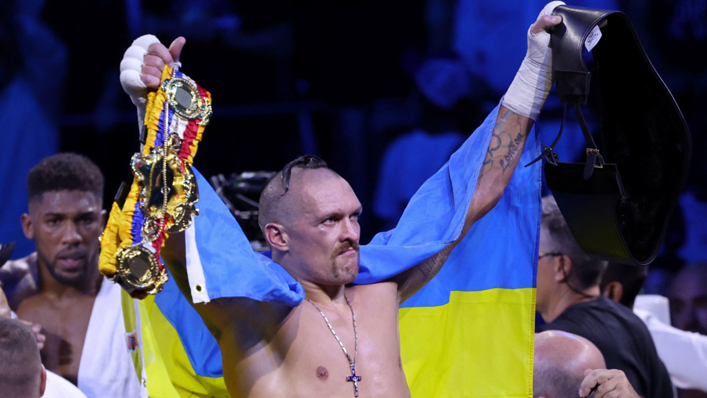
106,369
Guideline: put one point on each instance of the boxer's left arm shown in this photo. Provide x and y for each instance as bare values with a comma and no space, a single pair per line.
520,107
501,160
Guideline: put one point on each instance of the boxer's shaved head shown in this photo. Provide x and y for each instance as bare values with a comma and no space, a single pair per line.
277,203
309,216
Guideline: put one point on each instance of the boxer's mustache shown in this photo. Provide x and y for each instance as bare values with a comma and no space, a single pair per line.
346,246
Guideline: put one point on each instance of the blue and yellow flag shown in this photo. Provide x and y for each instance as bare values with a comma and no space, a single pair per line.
469,332
175,356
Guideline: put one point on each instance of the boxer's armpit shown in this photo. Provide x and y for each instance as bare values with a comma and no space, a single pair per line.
415,278
215,330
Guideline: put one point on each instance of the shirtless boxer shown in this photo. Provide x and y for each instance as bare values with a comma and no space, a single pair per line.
59,286
273,350
65,226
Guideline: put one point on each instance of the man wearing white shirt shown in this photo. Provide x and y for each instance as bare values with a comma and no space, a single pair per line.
684,353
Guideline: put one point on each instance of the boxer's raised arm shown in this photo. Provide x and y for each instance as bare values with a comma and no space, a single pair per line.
520,107
507,143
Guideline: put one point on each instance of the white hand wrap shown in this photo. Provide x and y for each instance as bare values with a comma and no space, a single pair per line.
533,82
131,70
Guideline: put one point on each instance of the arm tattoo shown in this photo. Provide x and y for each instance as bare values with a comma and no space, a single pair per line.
426,268
432,265
503,147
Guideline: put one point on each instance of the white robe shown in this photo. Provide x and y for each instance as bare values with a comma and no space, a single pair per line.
106,368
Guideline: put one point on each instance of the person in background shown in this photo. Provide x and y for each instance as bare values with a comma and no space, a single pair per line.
559,362
684,353
22,374
569,299
418,154
565,363
59,285
687,294
688,298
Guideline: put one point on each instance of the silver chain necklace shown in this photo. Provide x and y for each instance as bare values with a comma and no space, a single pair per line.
353,378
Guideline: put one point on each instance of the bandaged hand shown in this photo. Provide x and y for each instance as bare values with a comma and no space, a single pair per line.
533,82
141,68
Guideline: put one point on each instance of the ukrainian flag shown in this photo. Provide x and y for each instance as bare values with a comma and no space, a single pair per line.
468,333
176,356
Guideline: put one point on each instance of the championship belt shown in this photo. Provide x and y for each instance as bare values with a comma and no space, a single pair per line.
163,195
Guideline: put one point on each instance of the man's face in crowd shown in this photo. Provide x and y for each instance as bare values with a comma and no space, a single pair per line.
546,275
65,226
323,236
688,300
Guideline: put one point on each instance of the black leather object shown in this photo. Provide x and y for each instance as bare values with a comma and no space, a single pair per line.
618,217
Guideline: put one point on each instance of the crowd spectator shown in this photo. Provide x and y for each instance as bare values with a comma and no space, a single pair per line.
569,299
684,353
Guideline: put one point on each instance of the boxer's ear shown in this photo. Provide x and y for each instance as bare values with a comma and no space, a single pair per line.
27,226
276,236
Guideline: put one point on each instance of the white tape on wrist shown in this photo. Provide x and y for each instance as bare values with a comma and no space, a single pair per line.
131,70
533,82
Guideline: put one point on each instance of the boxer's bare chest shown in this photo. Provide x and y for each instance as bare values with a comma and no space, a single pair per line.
305,358
64,323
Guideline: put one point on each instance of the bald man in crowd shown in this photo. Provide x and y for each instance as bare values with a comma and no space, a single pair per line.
569,299
566,365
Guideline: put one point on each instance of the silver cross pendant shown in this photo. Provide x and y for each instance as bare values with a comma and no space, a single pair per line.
355,379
